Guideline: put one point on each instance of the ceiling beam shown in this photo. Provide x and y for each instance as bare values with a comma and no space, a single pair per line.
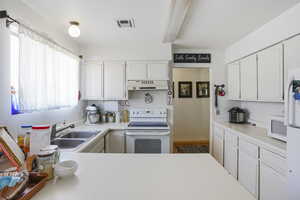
177,13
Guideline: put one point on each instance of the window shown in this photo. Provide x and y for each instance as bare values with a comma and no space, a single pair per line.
43,75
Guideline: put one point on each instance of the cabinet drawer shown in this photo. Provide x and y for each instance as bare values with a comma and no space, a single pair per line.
249,148
276,162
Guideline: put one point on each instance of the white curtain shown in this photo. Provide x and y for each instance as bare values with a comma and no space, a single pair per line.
48,75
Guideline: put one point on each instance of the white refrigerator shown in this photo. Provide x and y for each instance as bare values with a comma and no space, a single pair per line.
292,120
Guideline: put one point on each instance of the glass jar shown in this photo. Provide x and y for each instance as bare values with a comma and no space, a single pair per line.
24,130
39,138
46,161
56,152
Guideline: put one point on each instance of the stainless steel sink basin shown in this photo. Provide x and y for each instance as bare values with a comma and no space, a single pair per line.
80,134
67,143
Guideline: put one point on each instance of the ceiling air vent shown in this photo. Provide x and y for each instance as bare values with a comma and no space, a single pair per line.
125,23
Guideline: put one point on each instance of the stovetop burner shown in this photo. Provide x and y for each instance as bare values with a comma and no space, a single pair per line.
148,124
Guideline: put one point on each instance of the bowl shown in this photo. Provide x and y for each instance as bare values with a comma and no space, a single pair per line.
65,168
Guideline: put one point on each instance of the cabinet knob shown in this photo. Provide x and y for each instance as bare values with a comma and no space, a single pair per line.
290,171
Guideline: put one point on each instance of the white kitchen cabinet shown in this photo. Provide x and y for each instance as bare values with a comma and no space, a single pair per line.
92,81
147,70
96,146
158,71
270,74
115,142
248,166
136,70
248,67
218,143
291,56
234,90
273,180
231,152
114,75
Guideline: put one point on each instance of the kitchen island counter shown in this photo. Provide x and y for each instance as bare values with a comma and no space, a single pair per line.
145,176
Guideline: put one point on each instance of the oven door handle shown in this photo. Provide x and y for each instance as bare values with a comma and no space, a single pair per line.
147,133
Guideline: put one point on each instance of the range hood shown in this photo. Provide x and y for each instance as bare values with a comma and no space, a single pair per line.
147,85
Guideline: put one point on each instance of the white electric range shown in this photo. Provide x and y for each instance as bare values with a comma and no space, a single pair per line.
148,131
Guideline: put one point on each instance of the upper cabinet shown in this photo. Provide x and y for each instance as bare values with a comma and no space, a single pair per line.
104,81
258,77
291,56
147,71
158,71
249,78
108,80
270,74
136,71
92,81
234,90
114,80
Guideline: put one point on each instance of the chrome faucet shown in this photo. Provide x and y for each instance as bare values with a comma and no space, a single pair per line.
54,131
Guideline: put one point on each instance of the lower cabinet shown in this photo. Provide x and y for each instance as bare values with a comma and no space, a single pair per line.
248,171
115,142
260,171
218,144
273,180
231,153
97,146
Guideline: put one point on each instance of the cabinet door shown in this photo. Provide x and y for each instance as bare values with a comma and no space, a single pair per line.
114,81
230,153
218,144
248,172
92,81
249,78
115,142
291,56
272,184
270,74
234,81
158,71
136,71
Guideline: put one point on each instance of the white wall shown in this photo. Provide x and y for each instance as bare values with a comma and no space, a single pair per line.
191,115
147,51
218,75
261,111
280,28
23,13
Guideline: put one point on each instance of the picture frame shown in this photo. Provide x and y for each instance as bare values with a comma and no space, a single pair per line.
202,89
185,89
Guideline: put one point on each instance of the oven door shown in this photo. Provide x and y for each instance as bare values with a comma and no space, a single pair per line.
148,141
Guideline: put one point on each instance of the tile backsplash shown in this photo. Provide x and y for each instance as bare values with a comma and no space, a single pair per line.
261,111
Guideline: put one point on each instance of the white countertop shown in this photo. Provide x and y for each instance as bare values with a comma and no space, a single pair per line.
257,135
145,177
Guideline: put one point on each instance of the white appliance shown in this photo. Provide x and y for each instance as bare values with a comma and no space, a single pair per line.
147,85
148,131
276,128
92,115
292,120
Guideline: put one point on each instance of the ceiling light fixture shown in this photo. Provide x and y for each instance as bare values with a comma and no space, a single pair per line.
74,30
177,14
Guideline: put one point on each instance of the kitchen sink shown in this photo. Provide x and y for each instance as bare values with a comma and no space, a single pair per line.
67,143
80,134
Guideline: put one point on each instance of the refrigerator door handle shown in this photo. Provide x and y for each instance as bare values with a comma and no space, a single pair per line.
287,105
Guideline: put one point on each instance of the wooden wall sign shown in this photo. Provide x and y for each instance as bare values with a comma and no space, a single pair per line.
192,57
